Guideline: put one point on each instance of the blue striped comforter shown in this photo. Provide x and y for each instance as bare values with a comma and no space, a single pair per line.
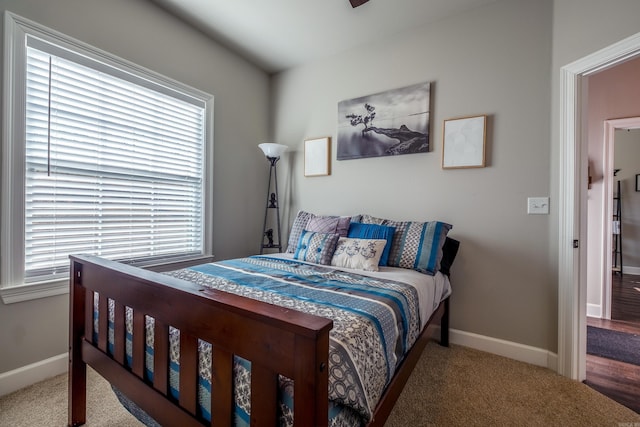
375,322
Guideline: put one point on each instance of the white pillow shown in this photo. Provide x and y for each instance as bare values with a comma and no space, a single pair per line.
361,254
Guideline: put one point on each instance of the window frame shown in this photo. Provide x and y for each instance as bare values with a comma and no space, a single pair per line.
12,158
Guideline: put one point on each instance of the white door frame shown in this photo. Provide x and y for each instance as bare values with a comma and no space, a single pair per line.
572,286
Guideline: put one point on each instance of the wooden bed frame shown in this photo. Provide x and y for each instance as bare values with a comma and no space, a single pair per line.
276,340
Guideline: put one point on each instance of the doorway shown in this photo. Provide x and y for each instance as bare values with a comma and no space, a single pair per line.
572,201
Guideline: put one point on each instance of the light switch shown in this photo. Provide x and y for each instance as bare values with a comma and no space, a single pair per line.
538,205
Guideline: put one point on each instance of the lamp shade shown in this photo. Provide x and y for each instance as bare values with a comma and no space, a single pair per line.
272,150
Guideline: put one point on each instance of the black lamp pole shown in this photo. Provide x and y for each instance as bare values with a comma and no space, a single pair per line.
272,203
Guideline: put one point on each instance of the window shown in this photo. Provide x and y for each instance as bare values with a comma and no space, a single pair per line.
102,157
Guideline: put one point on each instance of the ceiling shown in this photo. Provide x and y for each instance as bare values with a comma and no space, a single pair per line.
279,34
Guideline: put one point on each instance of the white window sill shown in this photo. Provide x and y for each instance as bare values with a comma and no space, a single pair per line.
28,292
21,293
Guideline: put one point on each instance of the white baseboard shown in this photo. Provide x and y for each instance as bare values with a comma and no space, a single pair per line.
631,270
39,371
33,373
512,350
594,310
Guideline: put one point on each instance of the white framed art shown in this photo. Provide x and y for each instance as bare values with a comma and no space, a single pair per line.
463,142
317,156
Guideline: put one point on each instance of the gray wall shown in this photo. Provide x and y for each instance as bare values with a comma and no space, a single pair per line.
494,60
142,33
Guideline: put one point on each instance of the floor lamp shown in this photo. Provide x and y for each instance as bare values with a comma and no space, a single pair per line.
273,152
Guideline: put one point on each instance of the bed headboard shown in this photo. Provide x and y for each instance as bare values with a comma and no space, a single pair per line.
449,252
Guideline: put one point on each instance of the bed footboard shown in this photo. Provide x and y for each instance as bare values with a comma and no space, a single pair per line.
276,341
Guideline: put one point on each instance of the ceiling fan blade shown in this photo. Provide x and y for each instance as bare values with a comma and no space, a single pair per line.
356,3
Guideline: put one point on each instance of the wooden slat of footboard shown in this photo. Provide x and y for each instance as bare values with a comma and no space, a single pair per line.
161,356
222,402
188,371
88,314
264,393
103,322
139,341
119,333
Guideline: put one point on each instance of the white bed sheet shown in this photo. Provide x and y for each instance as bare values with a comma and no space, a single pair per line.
432,290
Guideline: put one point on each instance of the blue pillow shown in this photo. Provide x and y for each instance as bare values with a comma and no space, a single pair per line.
316,247
374,231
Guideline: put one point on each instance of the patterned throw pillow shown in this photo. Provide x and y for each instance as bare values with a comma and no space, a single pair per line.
299,223
316,247
374,231
361,254
329,224
318,223
416,245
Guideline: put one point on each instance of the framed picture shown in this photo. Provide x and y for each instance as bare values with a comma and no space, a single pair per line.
317,155
387,123
463,142
637,182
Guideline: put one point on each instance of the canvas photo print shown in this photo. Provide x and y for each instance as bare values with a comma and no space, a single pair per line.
384,124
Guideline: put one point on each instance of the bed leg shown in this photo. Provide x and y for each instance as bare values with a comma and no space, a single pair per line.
77,409
77,393
444,325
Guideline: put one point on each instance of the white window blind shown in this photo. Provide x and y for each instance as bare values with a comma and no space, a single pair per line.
114,167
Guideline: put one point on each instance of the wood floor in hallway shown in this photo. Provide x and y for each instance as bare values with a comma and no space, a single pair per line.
617,380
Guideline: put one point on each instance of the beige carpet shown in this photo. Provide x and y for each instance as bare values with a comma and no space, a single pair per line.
454,386
474,388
